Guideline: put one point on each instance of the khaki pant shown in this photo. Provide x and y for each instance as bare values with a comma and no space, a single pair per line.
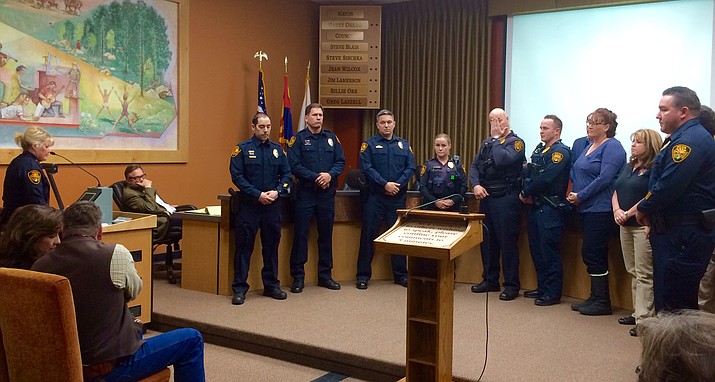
706,295
638,259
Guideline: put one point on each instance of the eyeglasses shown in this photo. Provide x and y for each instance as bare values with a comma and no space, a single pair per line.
138,178
594,123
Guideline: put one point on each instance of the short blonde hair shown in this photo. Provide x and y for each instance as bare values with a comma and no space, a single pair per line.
33,136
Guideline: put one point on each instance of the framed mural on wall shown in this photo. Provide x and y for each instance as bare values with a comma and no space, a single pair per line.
107,78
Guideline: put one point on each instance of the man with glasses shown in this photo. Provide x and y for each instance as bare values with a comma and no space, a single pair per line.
140,196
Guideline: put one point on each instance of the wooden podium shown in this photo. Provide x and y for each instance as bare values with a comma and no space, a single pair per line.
431,240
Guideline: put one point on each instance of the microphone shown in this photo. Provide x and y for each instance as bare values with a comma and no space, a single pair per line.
99,184
435,201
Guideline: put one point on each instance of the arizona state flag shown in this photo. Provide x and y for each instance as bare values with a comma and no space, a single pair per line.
286,132
261,93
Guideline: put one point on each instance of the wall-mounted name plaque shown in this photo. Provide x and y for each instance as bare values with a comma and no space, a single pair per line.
350,38
427,233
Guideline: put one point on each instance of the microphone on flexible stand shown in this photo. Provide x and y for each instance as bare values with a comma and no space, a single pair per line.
99,184
433,202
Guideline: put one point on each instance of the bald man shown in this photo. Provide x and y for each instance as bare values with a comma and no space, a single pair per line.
495,176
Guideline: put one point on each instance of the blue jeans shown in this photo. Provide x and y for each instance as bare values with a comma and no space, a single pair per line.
183,348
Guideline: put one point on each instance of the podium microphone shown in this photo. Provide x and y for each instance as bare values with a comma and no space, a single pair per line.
433,202
99,184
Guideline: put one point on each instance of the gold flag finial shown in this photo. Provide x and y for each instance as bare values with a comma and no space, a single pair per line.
286,63
260,55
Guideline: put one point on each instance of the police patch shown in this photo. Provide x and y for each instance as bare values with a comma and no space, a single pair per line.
556,157
450,164
363,147
34,176
518,146
400,145
275,153
292,141
330,142
680,152
235,152
422,171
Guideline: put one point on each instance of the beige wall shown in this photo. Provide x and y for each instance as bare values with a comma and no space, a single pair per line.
224,35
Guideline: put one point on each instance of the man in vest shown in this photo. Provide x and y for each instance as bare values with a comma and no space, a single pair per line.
103,279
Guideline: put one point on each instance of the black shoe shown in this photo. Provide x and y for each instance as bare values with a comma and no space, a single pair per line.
402,282
508,295
628,320
577,306
361,284
547,300
329,283
238,298
297,286
533,293
483,287
276,293
633,332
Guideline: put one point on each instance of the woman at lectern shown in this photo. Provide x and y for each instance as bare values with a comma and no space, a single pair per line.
25,182
32,232
443,181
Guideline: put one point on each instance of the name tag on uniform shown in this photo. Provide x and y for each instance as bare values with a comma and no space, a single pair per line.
378,146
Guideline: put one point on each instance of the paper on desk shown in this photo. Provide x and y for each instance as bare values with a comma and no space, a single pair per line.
209,210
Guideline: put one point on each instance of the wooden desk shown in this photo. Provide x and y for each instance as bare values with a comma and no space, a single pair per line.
200,254
136,235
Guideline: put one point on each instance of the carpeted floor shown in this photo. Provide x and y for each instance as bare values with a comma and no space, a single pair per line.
362,334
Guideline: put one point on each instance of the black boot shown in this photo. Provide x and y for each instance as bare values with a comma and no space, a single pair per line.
601,303
588,301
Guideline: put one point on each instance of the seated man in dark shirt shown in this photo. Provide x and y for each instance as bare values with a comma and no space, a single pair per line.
103,279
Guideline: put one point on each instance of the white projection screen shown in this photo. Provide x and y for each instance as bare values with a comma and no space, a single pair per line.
621,57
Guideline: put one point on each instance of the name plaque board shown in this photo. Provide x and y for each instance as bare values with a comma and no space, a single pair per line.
427,233
350,39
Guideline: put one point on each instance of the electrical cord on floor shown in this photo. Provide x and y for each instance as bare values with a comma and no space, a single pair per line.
486,308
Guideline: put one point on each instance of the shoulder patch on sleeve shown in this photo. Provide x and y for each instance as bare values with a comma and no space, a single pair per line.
518,146
363,147
680,152
291,141
34,176
235,152
556,157
422,172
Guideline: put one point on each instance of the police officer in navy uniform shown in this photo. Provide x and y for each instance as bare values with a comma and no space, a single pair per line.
316,159
680,202
388,164
443,176
25,182
495,175
545,185
259,168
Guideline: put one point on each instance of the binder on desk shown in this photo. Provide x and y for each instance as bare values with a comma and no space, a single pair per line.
208,210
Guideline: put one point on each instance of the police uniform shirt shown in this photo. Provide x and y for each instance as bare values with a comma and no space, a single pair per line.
683,175
310,154
438,180
549,171
498,160
258,167
25,182
385,161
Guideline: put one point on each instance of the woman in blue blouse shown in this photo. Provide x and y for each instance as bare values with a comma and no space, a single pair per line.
592,177
631,186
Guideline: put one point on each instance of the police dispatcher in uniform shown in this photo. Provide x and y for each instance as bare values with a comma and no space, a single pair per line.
388,164
316,159
545,186
443,176
495,176
259,168
25,183
680,203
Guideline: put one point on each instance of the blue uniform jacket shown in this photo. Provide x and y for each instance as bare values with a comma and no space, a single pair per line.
548,173
258,167
498,161
25,183
438,180
682,179
385,161
310,154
